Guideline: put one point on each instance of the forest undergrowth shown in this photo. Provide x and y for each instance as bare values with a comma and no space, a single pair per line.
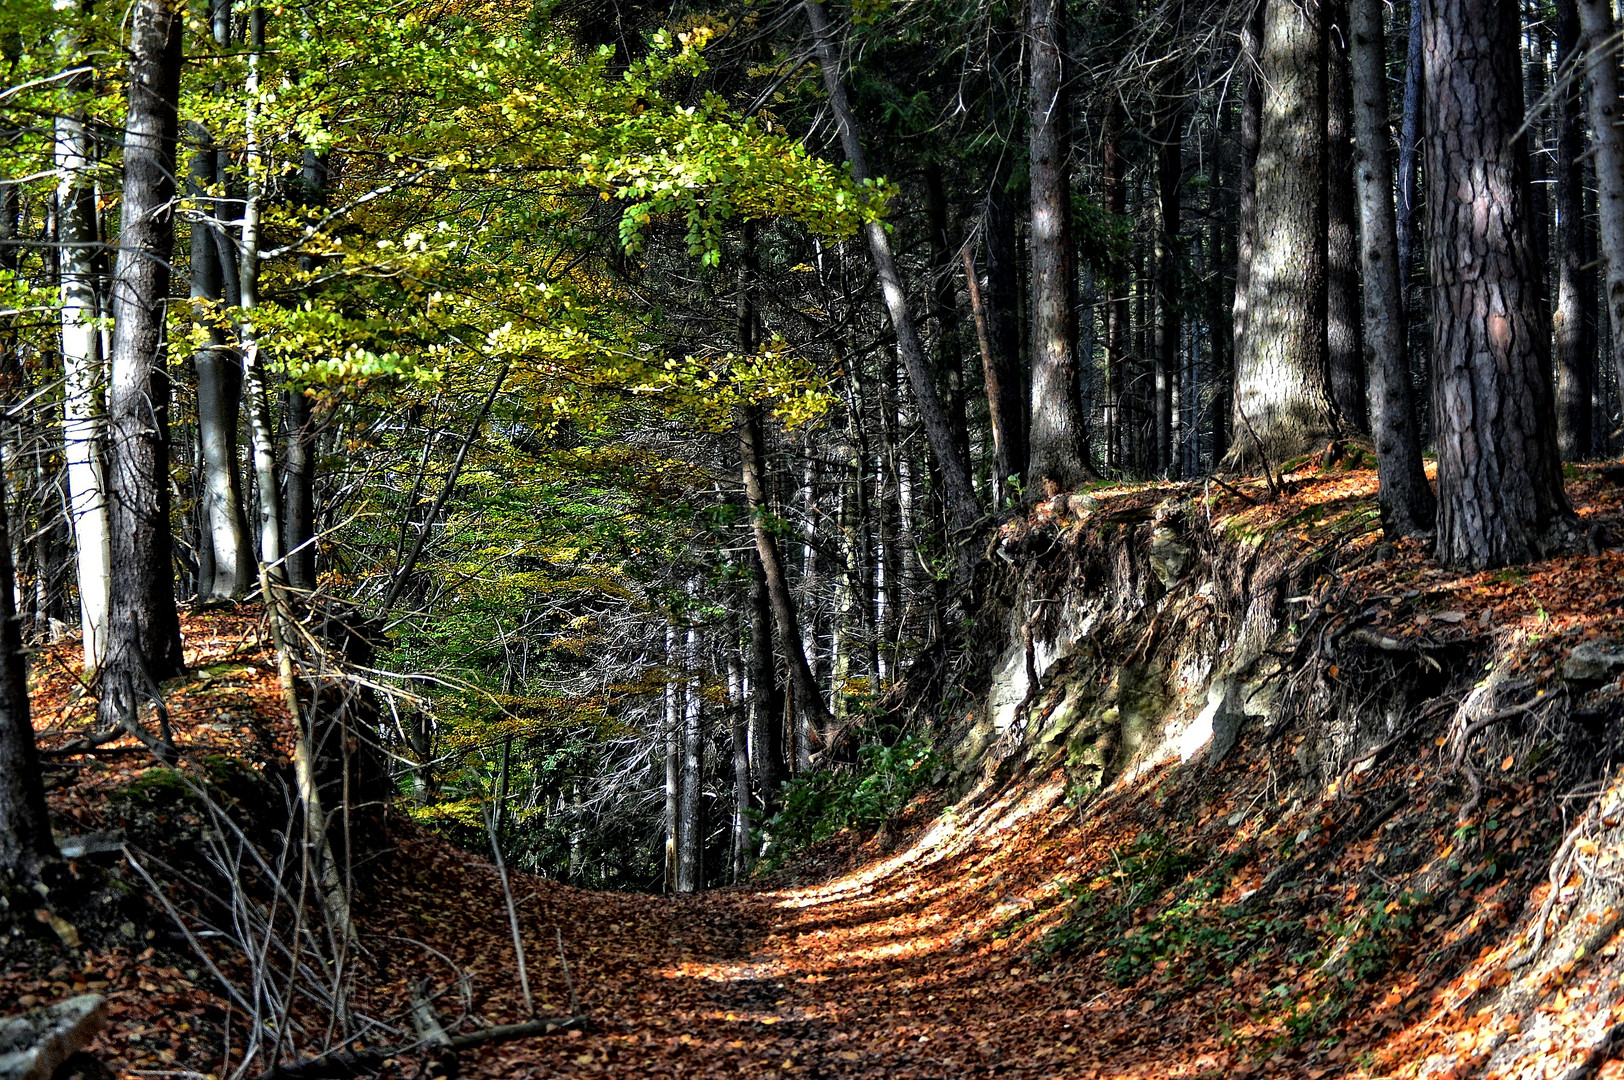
1228,918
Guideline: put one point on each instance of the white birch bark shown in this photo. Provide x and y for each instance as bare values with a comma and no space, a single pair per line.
82,364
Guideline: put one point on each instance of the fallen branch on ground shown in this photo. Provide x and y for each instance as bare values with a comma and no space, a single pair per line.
354,1063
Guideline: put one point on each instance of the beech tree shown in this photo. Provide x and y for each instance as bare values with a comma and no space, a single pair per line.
143,631
1056,443
1283,405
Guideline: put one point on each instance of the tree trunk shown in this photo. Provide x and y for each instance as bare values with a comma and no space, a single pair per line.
957,491
1499,474
1574,314
1283,404
259,403
743,805
944,308
143,645
299,489
1169,140
1344,349
1058,443
82,418
673,754
1006,396
299,438
1407,504
809,705
227,572
1409,149
691,830
1117,286
1601,72
1246,188
25,827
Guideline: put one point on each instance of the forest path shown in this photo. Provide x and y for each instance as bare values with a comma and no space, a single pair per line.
915,964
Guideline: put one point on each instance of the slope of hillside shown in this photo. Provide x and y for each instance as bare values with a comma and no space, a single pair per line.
1242,791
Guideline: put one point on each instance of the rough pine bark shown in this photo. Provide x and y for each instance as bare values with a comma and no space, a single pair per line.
25,827
1057,443
1573,316
1344,348
1283,403
143,645
1406,500
1499,473
1601,73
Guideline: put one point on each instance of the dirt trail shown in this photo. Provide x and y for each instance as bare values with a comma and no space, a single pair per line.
891,969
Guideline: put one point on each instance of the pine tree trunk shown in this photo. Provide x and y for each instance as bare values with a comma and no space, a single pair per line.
957,490
1601,73
1409,148
1406,500
1116,311
1283,404
1057,444
227,572
1006,394
1574,314
144,631
1344,347
1246,189
1499,473
1169,139
83,417
25,827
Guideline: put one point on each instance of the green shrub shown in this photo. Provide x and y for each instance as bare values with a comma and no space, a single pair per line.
869,794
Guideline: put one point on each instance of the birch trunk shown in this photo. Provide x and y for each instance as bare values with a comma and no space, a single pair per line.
82,410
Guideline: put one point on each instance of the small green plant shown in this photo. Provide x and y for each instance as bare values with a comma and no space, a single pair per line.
869,794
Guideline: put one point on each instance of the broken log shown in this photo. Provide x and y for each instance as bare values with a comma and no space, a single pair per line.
34,1044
